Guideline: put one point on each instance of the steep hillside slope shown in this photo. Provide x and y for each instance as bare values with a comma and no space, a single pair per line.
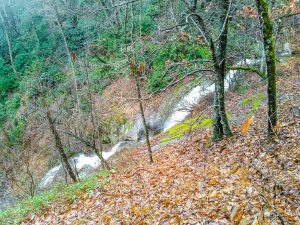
240,180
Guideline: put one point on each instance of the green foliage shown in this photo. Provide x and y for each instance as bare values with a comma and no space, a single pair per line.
188,125
175,51
253,102
12,105
158,79
242,89
7,79
59,193
147,25
85,105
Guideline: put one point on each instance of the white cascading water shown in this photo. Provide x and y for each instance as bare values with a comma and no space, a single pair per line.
181,111
183,108
49,177
80,161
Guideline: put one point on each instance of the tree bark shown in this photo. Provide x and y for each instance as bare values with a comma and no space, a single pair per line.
269,47
222,65
220,126
143,118
132,21
8,42
125,26
138,89
61,30
60,147
98,152
217,131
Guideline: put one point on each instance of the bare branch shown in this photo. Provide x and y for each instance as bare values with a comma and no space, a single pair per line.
248,68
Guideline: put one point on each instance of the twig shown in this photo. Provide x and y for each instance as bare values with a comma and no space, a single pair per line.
273,208
225,22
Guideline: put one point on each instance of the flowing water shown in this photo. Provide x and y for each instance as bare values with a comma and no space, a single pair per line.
180,112
79,162
184,107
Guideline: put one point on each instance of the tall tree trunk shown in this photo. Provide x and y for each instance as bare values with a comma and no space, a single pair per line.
140,17
10,52
98,152
220,125
144,120
61,30
117,14
60,147
222,65
132,20
138,89
125,26
33,26
217,131
269,46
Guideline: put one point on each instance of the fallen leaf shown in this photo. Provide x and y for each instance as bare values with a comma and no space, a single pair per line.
237,214
246,125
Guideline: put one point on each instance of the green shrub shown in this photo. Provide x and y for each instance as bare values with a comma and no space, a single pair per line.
174,51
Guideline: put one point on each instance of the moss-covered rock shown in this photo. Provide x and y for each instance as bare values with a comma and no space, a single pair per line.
187,126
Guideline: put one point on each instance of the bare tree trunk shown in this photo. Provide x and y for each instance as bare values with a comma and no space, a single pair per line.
60,147
32,23
143,118
60,26
140,17
221,126
8,41
116,14
125,26
138,90
132,21
98,152
222,64
217,131
269,47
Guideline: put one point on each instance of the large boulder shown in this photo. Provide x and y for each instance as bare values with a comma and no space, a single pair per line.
155,119
286,50
154,123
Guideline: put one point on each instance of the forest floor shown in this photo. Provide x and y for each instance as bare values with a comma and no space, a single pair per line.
244,179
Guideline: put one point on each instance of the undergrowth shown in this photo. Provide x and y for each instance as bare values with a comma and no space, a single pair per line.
60,193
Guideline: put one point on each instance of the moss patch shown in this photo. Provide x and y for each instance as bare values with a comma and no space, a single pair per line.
188,125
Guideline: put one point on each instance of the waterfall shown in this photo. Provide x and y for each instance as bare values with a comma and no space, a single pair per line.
79,162
180,112
184,107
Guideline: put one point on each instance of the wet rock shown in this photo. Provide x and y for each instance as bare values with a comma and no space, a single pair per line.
286,50
154,123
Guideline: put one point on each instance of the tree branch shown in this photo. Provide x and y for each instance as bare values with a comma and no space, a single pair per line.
225,21
248,68
288,15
